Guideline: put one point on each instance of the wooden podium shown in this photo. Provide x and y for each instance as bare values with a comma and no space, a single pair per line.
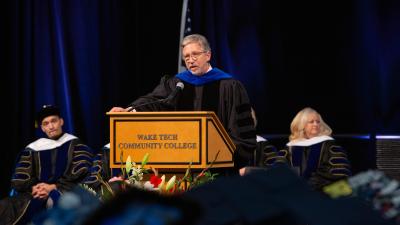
172,139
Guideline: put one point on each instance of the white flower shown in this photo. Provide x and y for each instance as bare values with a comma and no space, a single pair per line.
170,183
148,186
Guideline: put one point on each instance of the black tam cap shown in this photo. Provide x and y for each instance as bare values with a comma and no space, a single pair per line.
45,111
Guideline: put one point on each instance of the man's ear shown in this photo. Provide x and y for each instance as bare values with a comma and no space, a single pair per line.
208,55
62,121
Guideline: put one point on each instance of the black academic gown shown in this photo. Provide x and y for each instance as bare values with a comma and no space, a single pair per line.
64,162
226,97
319,160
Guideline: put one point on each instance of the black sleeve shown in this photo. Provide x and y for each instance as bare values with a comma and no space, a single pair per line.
161,91
239,122
79,166
334,166
96,173
265,154
24,177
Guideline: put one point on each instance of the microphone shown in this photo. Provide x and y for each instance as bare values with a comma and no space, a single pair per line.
178,89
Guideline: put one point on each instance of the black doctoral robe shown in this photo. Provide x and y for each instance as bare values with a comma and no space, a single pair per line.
63,162
227,97
319,160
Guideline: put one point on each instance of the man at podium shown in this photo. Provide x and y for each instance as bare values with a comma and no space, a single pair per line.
204,88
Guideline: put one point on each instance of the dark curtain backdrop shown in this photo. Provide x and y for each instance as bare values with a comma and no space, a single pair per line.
84,56
340,57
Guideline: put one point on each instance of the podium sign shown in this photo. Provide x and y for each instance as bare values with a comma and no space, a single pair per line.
172,139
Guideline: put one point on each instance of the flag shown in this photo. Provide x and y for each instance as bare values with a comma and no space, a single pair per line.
186,29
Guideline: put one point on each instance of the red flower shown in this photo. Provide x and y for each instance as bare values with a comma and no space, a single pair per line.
155,181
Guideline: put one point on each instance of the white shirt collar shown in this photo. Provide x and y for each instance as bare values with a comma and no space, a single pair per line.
46,143
311,141
259,138
209,69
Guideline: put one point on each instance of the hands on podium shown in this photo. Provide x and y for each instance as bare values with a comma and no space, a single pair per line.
120,109
248,169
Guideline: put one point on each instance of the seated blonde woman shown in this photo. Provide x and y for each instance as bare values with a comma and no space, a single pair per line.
312,152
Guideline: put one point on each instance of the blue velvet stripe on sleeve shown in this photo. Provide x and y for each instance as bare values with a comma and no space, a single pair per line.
82,159
95,171
23,166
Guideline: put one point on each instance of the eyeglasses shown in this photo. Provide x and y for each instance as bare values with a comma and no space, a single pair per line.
194,55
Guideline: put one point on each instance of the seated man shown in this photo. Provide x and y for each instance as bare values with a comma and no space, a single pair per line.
45,169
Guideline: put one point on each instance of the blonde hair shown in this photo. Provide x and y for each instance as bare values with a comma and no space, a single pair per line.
300,120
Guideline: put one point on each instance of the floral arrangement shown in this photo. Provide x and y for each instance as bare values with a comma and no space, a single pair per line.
133,176
375,187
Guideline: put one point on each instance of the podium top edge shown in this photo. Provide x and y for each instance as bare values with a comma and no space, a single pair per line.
171,113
